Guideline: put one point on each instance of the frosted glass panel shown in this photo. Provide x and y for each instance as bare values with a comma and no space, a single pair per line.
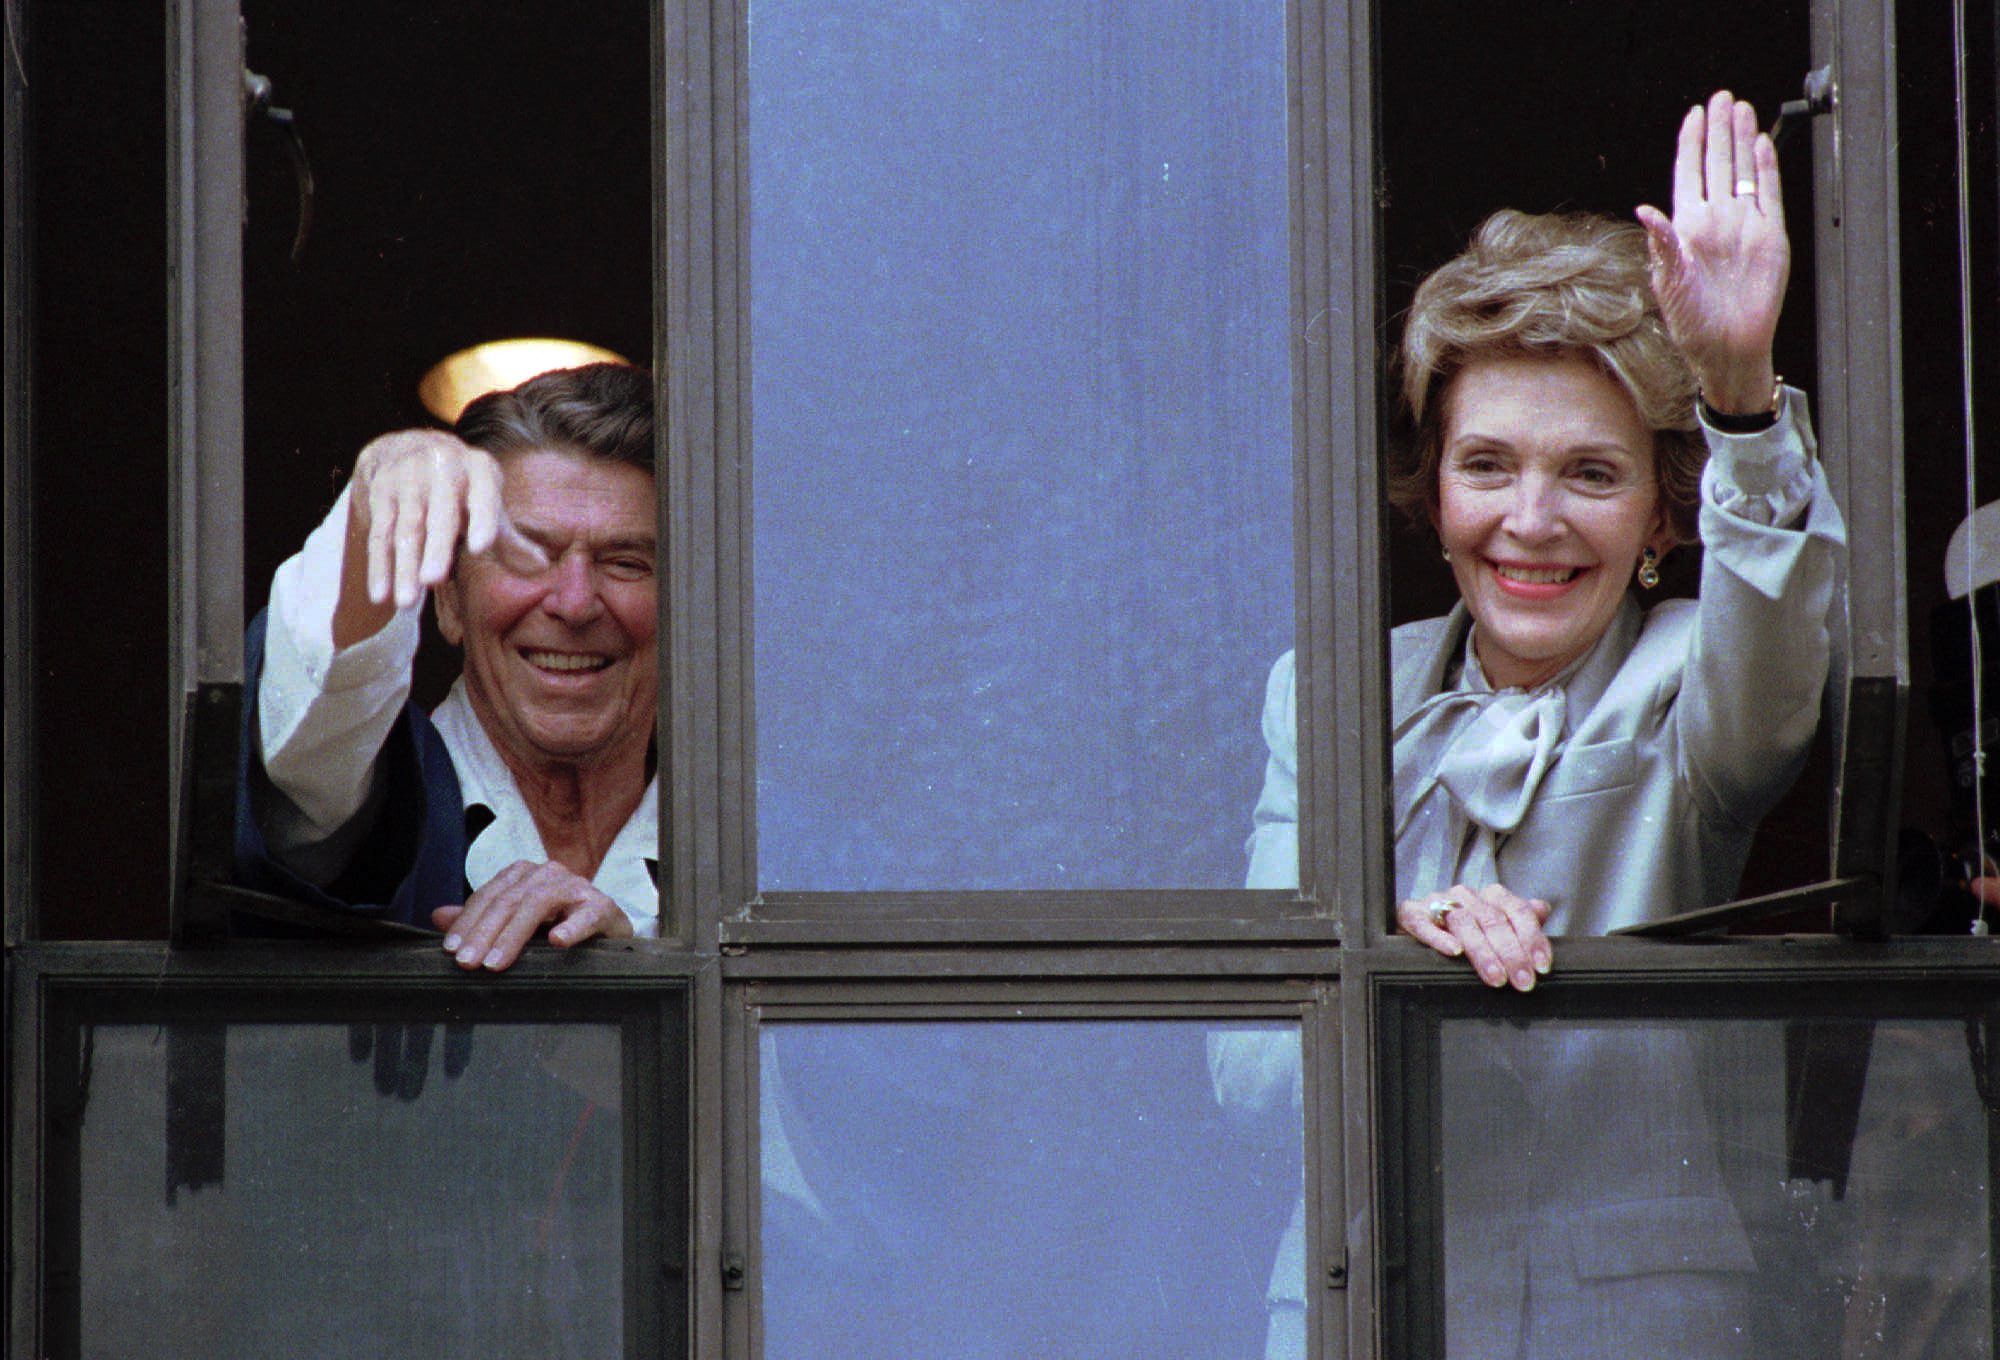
1022,1188
1021,392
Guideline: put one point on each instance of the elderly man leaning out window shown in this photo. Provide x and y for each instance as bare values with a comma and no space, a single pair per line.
527,800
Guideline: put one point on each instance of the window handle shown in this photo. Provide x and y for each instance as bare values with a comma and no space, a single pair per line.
1819,92
257,104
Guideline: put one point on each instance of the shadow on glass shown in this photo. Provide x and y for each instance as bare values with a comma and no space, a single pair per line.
346,1190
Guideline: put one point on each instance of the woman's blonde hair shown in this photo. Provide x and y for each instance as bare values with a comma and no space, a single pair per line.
1560,285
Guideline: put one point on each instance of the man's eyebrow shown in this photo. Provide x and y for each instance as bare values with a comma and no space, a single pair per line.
553,538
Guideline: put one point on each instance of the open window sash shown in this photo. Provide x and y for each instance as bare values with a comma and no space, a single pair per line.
205,543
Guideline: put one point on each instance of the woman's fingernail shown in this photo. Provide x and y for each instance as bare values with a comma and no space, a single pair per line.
1543,963
1524,980
451,944
1494,977
494,960
468,956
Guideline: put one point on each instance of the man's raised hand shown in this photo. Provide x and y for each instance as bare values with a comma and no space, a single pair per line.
415,495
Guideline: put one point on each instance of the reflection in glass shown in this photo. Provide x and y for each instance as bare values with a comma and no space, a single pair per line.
1768,1189
326,1190
1022,416
1009,1189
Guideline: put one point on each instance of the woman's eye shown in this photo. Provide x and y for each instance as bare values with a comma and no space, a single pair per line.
1597,475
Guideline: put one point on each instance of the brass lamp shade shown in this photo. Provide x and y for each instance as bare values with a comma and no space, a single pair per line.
460,379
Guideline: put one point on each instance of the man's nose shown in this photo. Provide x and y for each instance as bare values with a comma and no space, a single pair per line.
573,595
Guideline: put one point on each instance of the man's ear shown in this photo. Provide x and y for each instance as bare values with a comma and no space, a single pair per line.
451,623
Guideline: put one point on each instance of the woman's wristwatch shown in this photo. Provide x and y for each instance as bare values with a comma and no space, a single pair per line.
1756,422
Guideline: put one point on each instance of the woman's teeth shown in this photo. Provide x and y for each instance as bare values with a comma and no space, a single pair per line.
1538,576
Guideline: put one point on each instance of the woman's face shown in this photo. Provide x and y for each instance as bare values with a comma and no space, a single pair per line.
1546,496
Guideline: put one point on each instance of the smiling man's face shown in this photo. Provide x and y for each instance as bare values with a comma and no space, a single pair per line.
558,619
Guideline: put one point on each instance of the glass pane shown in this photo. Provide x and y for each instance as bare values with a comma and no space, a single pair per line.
258,1190
1768,1189
1007,1189
1022,414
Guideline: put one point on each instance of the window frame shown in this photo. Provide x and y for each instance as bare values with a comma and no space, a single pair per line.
725,942
205,58
1929,979
1859,301
1858,274
1338,544
1332,371
52,989
994,989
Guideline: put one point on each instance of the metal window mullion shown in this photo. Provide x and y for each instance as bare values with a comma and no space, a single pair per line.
1342,642
205,399
694,121
1860,399
1344,707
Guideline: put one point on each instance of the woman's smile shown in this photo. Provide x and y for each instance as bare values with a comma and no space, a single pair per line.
1535,583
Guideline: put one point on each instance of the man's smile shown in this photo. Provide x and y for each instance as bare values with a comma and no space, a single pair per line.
567,662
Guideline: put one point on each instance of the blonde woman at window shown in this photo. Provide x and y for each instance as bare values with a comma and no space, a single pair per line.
1587,395
1568,760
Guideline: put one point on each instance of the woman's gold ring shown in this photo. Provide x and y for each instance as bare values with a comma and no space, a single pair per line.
1437,909
1746,188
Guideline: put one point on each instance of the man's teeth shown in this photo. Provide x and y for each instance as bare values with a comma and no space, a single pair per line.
1538,576
567,661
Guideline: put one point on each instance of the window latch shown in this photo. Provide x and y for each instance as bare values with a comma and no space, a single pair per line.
257,104
1819,93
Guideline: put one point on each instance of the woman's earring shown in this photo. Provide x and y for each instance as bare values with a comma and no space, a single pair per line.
1447,554
1649,568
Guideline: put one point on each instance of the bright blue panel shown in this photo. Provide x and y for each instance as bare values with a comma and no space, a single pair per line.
993,1190
1022,438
